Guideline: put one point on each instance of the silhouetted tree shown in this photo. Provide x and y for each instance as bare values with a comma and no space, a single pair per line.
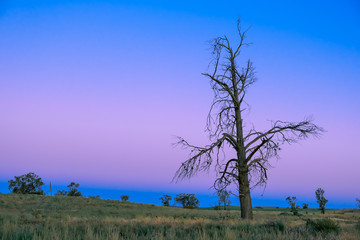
321,200
224,197
73,190
29,183
292,202
166,200
187,200
124,198
305,206
252,148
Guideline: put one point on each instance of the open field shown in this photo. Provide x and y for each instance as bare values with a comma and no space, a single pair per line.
46,217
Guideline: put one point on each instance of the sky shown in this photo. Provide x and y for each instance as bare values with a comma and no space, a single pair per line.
96,91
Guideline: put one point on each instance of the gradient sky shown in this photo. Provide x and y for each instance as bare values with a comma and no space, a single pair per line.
95,91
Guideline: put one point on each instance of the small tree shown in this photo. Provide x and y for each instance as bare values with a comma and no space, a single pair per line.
224,197
292,203
124,198
305,206
73,190
321,200
29,183
166,200
187,200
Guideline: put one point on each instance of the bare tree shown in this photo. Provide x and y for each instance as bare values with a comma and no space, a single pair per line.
225,126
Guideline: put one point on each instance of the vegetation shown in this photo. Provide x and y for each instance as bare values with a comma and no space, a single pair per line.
224,198
321,200
292,203
323,225
61,193
358,202
253,149
29,183
73,191
165,200
305,206
124,198
187,200
45,217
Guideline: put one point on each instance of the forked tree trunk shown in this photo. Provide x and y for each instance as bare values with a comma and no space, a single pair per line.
245,197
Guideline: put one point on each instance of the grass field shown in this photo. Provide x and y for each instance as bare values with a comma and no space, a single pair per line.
55,217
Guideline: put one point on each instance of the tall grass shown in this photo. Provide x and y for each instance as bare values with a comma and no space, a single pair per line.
45,217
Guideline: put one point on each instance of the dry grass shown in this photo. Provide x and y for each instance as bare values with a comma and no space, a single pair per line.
45,217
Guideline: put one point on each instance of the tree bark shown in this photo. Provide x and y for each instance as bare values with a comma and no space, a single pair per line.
245,197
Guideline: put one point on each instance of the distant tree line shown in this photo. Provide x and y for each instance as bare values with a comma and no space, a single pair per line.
321,200
31,183
187,200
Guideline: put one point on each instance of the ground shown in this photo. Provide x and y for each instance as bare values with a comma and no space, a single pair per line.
57,217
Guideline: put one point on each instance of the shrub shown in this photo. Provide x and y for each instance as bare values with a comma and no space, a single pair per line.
73,190
275,226
305,206
124,198
187,200
323,225
61,193
217,207
29,183
166,200
292,203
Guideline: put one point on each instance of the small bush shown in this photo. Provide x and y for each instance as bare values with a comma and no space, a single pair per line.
124,198
285,214
189,207
61,193
323,225
275,226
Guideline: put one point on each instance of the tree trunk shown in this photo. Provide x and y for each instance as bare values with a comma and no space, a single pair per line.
245,197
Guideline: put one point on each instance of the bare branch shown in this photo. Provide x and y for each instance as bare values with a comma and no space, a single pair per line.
287,132
200,158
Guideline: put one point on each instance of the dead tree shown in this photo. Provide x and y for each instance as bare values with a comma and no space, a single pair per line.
225,126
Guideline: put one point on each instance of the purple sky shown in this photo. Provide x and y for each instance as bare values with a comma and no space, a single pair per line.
95,92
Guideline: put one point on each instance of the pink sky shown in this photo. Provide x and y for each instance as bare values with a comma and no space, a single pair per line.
89,93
